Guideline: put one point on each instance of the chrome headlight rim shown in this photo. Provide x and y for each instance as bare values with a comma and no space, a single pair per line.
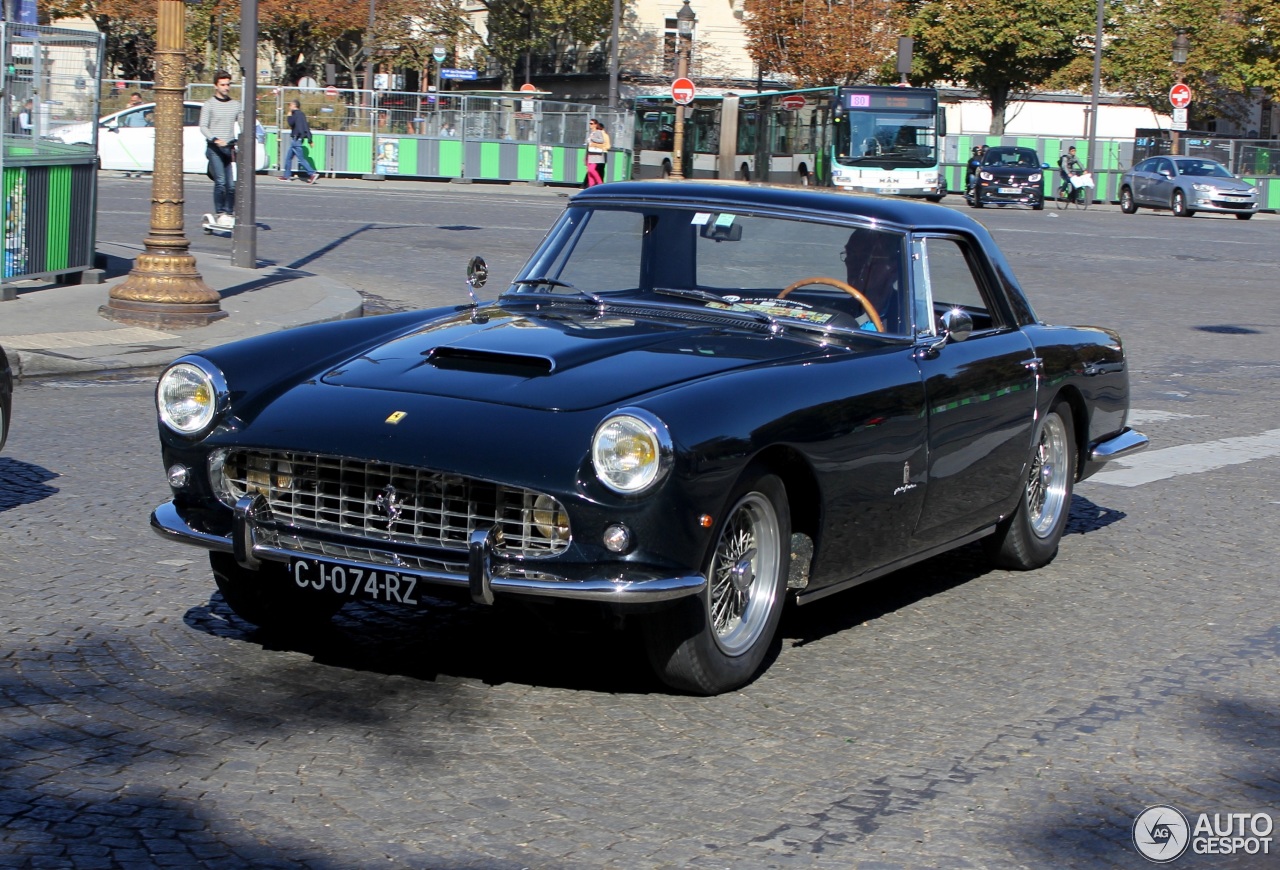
648,425
219,396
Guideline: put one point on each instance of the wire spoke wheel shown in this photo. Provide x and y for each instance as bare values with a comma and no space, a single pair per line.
746,558
1047,480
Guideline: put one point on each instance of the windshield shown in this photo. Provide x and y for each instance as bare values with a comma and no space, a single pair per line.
1204,168
1011,157
762,269
887,140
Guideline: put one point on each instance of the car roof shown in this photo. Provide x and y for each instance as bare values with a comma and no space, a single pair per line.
898,212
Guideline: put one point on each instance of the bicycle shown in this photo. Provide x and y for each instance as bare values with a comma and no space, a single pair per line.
1073,192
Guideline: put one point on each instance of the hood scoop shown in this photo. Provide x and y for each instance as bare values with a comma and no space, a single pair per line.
467,359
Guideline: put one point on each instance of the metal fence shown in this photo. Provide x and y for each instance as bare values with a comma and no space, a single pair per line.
49,188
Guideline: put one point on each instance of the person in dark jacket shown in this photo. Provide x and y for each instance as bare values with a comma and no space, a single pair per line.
299,135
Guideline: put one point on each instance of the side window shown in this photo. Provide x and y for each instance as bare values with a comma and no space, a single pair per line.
947,278
191,116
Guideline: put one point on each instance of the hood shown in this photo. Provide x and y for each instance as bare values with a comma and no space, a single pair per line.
557,360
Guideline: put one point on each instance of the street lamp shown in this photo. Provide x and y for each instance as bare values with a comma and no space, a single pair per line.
1181,48
164,289
684,31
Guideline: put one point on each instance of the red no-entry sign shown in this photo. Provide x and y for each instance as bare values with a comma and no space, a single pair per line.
1180,96
682,91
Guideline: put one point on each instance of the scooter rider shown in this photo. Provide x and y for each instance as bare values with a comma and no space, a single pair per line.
971,171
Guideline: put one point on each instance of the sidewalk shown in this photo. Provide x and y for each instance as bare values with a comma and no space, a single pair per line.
55,329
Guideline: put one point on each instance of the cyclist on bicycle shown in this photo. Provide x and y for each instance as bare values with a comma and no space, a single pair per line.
1069,165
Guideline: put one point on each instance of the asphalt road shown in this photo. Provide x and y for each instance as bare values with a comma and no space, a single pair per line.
944,716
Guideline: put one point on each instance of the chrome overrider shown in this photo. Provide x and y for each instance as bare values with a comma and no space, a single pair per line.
482,573
1126,443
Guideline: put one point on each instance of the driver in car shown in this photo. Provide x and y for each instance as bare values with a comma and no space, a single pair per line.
873,265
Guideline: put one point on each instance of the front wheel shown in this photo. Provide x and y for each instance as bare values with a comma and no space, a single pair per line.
1180,205
1029,537
1083,197
1244,217
1127,205
268,597
716,641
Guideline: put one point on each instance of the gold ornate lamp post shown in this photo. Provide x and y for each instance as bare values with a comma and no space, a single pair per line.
684,32
164,288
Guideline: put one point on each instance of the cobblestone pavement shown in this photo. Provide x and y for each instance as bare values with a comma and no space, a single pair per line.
945,716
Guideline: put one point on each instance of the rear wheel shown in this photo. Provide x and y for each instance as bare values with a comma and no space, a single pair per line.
746,172
1061,195
268,597
1029,537
716,641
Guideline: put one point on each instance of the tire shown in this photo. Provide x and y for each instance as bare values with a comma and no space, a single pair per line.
268,597
1029,537
666,169
1179,205
1083,197
715,642
1038,205
1127,205
805,177
1060,197
746,172
976,202
1244,217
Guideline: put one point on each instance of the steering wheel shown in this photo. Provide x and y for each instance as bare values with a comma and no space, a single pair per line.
839,285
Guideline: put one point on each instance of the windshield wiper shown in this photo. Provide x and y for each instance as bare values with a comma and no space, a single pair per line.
556,282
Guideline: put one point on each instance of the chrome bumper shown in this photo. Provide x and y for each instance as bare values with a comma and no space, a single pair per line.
1126,443
482,573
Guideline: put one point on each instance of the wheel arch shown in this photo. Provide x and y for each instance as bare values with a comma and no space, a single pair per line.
1079,423
797,475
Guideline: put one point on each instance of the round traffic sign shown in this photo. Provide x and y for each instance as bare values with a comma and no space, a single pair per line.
793,102
331,91
527,86
682,91
1180,96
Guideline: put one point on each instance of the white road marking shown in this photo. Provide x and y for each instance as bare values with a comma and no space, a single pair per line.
1138,417
1153,465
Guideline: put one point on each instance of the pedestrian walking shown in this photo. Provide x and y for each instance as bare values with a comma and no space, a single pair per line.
299,136
598,145
220,117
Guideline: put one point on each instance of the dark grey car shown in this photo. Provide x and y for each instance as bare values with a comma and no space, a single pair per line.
1186,185
6,396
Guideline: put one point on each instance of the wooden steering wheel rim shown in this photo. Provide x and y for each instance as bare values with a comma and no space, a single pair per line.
839,285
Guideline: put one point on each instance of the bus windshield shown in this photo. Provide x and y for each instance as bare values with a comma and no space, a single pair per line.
884,140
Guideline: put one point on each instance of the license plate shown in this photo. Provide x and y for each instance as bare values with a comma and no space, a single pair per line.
1013,190
361,583
888,190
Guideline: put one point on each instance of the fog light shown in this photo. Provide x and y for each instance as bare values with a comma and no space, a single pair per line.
179,476
617,538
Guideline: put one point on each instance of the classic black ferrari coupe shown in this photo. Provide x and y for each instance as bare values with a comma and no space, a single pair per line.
695,400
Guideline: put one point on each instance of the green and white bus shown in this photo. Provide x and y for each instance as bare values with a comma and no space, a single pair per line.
888,140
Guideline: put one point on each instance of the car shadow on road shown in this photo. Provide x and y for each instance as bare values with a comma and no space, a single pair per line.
910,585
570,647
23,483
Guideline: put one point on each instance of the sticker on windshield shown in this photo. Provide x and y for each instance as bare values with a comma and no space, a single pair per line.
778,308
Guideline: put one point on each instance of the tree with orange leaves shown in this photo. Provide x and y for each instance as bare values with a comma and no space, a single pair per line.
823,42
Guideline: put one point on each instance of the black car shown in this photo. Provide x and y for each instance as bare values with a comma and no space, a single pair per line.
6,396
1009,175
686,385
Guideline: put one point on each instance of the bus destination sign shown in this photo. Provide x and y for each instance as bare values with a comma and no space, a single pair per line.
889,98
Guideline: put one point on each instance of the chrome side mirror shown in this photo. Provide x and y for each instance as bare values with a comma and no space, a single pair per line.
477,275
957,324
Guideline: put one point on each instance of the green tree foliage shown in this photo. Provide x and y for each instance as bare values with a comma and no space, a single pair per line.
1222,64
1000,48
519,29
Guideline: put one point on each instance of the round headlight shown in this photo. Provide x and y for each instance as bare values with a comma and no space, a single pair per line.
187,397
631,451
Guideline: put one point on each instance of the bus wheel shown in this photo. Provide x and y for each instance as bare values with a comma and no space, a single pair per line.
804,175
666,169
746,172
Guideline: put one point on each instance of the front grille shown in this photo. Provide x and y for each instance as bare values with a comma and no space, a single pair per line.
390,503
